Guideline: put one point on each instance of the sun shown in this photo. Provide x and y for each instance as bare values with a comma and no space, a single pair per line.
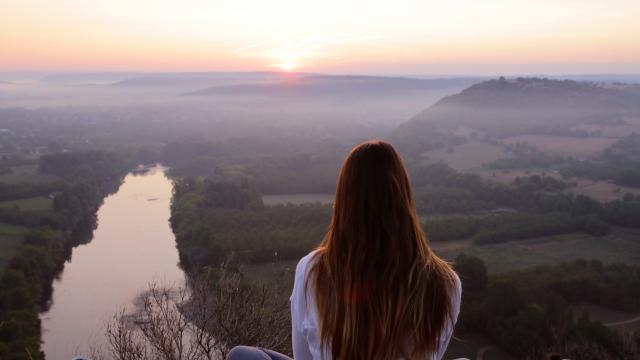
288,65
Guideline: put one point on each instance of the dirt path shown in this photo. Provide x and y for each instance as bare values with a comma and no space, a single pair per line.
623,322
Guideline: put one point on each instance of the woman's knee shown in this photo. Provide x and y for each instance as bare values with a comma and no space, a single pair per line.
247,353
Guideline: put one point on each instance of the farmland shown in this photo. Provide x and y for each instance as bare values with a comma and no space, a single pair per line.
576,147
471,155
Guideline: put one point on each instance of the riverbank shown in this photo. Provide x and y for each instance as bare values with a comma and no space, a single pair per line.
26,284
132,246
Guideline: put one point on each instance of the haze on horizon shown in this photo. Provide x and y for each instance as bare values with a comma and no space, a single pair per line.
401,37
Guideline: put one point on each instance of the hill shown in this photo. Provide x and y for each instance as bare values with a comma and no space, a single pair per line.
501,108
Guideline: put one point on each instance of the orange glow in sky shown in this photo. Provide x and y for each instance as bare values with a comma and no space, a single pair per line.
333,35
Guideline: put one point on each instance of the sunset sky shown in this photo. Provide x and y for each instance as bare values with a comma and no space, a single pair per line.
387,37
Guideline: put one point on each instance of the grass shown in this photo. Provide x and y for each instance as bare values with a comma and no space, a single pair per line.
25,173
620,246
39,203
10,239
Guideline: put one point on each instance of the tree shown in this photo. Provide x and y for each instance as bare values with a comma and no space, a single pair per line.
203,321
473,274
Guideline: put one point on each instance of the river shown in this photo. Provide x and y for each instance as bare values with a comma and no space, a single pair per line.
132,246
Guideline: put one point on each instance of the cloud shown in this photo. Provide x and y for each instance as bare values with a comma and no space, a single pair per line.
309,48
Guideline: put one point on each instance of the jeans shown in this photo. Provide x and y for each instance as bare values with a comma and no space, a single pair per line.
254,353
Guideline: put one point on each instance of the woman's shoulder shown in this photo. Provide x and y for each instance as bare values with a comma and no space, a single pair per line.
457,284
305,263
300,289
456,294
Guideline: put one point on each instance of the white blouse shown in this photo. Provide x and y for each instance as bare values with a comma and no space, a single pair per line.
304,318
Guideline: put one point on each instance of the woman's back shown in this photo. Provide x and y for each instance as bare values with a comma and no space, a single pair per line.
376,289
305,323
373,289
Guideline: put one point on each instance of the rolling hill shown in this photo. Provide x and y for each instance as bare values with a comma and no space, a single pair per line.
501,108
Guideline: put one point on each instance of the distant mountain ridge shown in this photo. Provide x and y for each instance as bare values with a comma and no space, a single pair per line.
318,85
86,77
202,79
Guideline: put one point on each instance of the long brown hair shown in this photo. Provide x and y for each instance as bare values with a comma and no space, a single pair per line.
380,290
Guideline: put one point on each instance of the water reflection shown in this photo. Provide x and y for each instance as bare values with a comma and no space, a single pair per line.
132,246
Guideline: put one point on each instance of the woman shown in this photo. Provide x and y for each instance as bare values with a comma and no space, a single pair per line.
373,289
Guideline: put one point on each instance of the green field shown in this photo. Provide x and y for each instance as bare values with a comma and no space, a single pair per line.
39,203
25,173
10,239
619,246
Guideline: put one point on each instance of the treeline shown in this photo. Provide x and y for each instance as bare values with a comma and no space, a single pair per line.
525,156
528,313
213,219
273,166
529,226
25,190
98,166
25,285
531,206
619,163
498,228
